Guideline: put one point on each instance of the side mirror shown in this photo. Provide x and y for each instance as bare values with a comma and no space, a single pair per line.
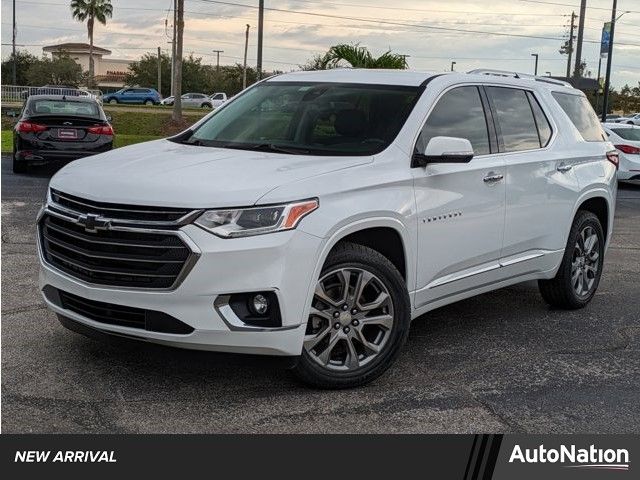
444,150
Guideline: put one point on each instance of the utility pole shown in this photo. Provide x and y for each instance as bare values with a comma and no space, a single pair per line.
583,12
173,50
452,65
14,43
244,68
159,71
260,34
218,52
176,116
535,72
607,82
570,43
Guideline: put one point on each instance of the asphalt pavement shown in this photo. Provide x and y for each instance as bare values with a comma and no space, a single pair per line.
500,362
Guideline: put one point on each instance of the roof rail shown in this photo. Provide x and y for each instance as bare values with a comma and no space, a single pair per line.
508,73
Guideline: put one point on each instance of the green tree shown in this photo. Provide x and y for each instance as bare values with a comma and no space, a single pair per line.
90,11
24,60
360,57
62,70
144,72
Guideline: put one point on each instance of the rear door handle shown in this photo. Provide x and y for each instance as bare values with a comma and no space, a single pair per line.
493,177
563,168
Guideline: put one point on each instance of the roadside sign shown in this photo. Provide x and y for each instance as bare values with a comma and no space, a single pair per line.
606,40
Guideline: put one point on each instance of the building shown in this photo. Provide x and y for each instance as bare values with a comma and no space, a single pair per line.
109,73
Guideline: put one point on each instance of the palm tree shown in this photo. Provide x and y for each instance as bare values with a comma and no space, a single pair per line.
91,10
360,57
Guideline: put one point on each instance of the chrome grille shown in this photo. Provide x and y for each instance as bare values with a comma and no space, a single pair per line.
121,212
115,253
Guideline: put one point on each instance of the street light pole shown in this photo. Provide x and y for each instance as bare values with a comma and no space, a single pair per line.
14,44
244,68
159,71
607,82
260,33
536,68
577,68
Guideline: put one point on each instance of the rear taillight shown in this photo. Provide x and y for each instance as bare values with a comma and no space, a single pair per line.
28,127
630,149
613,157
101,130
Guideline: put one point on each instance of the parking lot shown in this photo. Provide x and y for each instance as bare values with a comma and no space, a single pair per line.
501,362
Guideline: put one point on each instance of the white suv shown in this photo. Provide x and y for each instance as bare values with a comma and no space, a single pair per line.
317,213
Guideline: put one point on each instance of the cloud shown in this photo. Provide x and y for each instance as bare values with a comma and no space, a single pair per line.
291,39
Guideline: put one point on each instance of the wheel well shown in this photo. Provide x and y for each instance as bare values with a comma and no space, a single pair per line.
598,206
384,240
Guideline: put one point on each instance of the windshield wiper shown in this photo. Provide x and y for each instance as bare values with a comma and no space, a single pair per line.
267,147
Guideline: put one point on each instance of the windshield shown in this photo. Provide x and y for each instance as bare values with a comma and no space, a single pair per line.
310,118
632,134
64,107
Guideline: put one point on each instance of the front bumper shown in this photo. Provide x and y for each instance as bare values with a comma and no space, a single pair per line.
278,262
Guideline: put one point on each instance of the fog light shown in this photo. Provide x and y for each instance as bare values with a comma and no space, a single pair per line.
259,304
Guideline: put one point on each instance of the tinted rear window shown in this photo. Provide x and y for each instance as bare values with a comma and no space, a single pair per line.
632,134
64,107
579,110
515,117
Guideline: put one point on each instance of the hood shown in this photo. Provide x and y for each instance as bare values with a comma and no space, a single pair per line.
173,175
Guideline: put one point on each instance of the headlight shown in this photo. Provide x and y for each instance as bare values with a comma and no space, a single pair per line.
255,220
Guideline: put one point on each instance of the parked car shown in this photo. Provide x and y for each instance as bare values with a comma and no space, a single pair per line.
626,139
146,96
319,213
192,100
167,100
630,120
613,118
57,127
218,99
68,90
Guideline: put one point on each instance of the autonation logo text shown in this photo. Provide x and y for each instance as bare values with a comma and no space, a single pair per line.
574,457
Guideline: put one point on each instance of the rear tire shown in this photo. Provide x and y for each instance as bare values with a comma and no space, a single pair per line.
579,275
205,105
359,320
18,166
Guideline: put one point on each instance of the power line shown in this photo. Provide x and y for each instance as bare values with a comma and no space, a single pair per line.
388,22
572,5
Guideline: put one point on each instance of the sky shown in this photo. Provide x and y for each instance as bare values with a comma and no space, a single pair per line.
433,33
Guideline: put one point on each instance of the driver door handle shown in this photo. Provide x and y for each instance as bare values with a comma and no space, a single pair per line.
493,177
563,168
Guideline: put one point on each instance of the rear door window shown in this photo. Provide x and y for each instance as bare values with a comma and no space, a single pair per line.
579,110
515,119
459,113
542,122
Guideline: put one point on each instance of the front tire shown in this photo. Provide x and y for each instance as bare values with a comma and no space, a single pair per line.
148,102
113,101
205,105
579,275
358,322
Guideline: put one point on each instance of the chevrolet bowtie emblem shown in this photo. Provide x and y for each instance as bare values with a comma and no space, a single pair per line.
92,222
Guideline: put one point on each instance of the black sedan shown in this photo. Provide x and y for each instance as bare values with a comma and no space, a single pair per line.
58,127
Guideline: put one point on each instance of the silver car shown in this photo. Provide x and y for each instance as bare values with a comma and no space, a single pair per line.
191,100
